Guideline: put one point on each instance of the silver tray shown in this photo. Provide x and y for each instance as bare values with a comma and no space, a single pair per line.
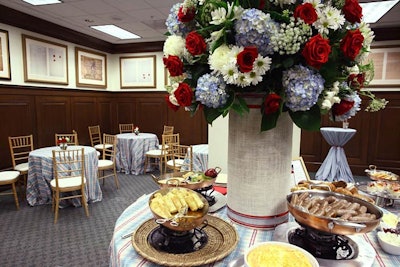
363,186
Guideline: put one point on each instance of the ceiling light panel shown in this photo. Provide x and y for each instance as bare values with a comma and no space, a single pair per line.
42,2
116,31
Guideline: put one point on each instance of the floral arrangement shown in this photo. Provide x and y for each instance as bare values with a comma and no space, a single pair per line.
62,140
136,130
308,58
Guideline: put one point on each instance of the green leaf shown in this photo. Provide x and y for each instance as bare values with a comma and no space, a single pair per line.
211,114
309,120
268,122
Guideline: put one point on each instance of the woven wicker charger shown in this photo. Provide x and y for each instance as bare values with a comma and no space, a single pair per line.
222,239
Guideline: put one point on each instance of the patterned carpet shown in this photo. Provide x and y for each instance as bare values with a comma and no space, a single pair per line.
30,238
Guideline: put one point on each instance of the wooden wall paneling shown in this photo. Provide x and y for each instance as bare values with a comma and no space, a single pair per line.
104,115
384,147
310,149
83,113
125,111
54,116
18,118
151,115
193,130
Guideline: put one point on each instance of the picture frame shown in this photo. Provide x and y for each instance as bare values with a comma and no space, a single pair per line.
44,61
5,64
90,68
299,170
386,66
138,72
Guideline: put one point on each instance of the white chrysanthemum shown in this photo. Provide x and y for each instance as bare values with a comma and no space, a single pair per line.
174,46
230,72
219,58
254,77
262,64
328,18
242,80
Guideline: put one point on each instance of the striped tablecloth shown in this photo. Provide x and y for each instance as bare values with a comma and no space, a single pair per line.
200,158
122,253
38,191
131,150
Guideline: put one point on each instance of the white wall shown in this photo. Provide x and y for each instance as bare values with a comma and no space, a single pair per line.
113,77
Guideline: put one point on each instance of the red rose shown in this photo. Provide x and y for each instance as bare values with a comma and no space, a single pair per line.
174,65
184,94
261,5
356,81
316,51
342,107
306,12
170,105
195,44
352,11
186,16
272,103
245,59
351,44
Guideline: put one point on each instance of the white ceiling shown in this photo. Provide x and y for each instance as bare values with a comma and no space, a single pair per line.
145,18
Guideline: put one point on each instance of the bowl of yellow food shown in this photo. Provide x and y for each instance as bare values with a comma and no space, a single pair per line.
278,254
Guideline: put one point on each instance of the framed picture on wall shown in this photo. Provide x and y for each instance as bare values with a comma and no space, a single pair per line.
138,72
5,69
91,68
44,61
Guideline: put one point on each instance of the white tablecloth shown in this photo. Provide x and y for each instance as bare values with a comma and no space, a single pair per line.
40,174
200,158
335,166
131,150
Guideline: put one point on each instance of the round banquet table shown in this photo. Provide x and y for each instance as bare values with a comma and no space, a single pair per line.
335,166
200,158
122,252
40,173
131,150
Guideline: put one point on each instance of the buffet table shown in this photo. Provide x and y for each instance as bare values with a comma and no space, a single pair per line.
131,150
335,166
38,191
122,253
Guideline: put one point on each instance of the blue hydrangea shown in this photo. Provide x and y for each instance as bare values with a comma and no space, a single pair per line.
255,28
210,91
175,26
302,86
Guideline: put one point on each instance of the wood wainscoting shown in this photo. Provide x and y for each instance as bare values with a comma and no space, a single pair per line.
46,111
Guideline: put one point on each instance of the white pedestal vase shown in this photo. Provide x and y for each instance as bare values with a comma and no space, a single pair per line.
259,168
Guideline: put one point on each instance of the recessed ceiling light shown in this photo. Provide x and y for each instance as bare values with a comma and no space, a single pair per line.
373,11
116,31
42,2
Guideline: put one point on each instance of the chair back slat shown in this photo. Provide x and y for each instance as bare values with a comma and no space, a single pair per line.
20,147
69,163
168,129
73,138
126,127
95,135
109,151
